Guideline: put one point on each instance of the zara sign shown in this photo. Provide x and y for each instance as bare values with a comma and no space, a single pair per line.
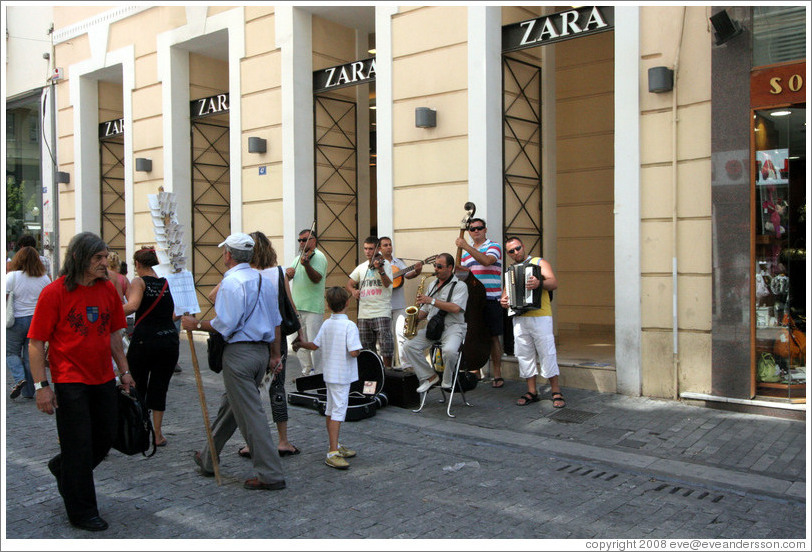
209,106
112,128
349,74
574,23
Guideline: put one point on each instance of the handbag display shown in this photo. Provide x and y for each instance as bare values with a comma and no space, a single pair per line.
290,321
134,430
436,324
10,304
216,343
767,370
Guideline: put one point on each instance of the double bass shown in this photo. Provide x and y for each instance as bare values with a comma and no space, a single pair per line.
477,348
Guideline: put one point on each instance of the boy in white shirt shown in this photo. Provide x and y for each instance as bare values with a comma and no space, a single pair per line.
340,343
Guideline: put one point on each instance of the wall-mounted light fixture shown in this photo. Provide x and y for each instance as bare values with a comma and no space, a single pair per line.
725,28
660,79
142,164
425,117
257,144
63,177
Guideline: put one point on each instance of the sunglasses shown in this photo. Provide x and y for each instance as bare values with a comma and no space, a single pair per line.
515,249
439,266
476,228
303,240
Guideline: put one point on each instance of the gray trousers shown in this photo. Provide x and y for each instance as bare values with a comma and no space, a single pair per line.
243,369
415,352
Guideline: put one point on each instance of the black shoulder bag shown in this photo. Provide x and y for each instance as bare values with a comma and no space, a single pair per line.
290,322
216,343
436,325
134,430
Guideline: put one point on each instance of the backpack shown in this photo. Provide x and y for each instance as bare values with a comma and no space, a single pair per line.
134,431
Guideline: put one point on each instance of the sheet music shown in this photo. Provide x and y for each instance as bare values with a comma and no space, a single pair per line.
182,286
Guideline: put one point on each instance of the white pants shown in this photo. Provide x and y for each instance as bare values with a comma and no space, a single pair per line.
311,321
398,325
415,352
338,397
534,335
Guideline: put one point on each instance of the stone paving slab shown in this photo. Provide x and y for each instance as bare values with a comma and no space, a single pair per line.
495,471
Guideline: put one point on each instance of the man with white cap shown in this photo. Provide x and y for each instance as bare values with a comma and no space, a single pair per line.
248,318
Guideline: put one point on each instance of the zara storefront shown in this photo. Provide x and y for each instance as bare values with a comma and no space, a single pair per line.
386,120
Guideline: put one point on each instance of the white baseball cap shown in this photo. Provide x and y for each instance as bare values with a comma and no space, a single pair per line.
239,241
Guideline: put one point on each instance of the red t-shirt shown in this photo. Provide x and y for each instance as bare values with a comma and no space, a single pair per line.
77,325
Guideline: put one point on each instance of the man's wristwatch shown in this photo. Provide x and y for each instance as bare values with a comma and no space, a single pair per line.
433,300
40,384
199,325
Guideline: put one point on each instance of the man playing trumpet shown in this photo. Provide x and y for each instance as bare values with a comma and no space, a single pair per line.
436,300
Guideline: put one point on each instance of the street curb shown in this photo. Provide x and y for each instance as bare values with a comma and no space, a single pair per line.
673,470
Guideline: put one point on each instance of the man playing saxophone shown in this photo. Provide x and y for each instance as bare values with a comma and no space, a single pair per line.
446,294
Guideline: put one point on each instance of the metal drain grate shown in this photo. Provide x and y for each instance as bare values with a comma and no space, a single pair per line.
571,416
687,492
584,472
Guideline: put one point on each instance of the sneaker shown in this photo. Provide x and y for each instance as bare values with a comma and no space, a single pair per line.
17,389
310,372
344,452
428,384
334,460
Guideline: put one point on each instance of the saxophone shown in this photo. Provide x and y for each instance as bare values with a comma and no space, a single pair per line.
410,329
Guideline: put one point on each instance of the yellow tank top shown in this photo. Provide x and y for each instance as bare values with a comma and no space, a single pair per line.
545,309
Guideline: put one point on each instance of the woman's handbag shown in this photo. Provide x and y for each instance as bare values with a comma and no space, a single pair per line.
134,430
10,303
290,321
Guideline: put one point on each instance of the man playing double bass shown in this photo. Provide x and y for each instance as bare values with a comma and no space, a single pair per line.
484,260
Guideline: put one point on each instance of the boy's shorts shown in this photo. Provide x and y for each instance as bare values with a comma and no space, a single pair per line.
338,395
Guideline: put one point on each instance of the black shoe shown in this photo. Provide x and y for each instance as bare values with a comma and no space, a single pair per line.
17,389
52,469
94,523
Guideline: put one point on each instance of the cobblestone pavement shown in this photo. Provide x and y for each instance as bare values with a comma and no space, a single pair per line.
621,467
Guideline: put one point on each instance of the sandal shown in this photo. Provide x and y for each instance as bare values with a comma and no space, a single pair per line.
527,398
500,381
558,398
244,453
286,452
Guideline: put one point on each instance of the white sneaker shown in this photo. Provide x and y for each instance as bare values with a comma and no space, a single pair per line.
428,384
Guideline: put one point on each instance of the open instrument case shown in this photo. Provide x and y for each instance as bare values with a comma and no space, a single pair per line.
366,394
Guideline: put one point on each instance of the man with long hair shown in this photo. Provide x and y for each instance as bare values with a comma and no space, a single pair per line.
81,316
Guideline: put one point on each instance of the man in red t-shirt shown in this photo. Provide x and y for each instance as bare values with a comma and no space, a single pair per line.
80,315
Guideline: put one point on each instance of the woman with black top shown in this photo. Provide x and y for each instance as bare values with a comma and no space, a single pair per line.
154,345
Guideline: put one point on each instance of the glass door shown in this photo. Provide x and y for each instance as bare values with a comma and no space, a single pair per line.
779,139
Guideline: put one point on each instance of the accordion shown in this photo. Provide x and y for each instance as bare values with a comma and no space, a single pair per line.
521,299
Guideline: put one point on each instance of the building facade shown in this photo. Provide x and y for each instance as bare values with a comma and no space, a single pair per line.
618,141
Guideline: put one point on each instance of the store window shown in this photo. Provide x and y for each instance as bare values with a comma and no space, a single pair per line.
779,138
779,34
23,171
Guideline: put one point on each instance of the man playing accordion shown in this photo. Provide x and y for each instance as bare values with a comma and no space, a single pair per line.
533,329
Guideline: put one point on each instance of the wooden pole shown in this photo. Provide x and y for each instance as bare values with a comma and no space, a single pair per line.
202,396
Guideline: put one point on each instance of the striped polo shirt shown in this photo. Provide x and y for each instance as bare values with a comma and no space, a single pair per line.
490,276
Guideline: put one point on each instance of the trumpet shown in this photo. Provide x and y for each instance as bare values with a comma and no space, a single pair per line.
410,329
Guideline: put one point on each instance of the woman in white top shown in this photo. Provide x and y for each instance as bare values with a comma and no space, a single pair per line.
26,278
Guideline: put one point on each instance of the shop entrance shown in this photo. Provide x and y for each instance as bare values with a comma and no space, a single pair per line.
211,190
336,184
111,165
345,183
558,187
